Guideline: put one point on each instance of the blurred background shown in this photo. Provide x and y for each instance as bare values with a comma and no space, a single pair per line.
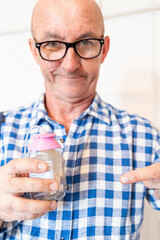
129,78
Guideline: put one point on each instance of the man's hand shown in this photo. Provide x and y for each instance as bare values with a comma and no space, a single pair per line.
149,175
13,184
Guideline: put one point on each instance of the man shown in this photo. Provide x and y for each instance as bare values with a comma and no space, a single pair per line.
100,143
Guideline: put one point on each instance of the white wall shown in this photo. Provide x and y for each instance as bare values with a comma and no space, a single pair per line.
129,78
20,79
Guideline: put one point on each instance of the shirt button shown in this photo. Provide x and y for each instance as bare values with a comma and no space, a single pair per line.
62,140
67,187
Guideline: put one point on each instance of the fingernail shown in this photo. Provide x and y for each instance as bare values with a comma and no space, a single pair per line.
124,180
42,166
53,187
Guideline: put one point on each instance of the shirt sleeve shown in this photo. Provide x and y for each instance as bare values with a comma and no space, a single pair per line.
155,203
7,226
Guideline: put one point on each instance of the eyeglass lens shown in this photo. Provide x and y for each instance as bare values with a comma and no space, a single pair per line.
56,50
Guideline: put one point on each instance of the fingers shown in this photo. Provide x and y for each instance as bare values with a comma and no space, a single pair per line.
13,182
155,184
21,185
17,208
30,206
24,165
15,216
157,194
142,174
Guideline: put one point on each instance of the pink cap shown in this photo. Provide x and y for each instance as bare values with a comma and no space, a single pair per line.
44,141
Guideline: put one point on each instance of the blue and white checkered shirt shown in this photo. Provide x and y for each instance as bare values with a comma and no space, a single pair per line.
102,144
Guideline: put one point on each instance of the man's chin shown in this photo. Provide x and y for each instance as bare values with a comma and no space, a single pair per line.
72,96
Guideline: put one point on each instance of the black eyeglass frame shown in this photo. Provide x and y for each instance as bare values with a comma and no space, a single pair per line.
70,45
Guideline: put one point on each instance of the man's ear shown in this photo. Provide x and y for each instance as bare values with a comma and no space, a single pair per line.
33,50
105,48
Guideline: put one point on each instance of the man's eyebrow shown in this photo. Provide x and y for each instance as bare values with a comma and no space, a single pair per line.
87,35
90,35
52,36
49,35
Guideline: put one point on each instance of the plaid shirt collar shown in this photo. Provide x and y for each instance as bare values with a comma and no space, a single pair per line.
97,109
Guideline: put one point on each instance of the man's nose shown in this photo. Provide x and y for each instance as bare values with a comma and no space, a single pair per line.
71,61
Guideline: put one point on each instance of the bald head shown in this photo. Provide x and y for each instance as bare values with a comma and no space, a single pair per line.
76,10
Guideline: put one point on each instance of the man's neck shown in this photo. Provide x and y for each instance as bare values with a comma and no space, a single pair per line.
63,111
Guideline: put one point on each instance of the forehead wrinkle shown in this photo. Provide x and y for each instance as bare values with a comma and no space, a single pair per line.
52,36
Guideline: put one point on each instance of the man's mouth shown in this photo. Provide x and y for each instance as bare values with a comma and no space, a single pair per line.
71,77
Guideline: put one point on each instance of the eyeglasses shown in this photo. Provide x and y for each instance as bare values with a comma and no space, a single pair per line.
56,50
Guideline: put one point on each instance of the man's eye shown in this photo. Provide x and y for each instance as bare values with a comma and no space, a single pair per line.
86,43
52,44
